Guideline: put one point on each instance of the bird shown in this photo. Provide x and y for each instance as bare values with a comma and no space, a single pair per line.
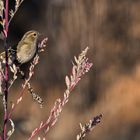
24,51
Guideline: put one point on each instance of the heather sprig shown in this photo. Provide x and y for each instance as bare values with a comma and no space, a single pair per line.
4,73
13,11
14,70
10,132
80,67
35,96
1,8
88,127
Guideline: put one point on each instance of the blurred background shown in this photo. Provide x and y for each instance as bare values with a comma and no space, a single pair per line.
111,29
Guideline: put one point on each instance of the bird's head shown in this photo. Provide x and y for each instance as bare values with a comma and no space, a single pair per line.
30,36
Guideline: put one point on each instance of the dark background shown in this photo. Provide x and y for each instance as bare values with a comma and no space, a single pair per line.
111,29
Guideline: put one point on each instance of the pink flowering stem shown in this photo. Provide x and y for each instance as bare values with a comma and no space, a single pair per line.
82,66
5,30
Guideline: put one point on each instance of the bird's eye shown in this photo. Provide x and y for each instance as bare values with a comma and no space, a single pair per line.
34,34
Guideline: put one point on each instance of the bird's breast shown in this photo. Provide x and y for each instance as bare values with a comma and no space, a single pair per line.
26,52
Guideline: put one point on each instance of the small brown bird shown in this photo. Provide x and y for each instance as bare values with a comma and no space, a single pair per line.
25,50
